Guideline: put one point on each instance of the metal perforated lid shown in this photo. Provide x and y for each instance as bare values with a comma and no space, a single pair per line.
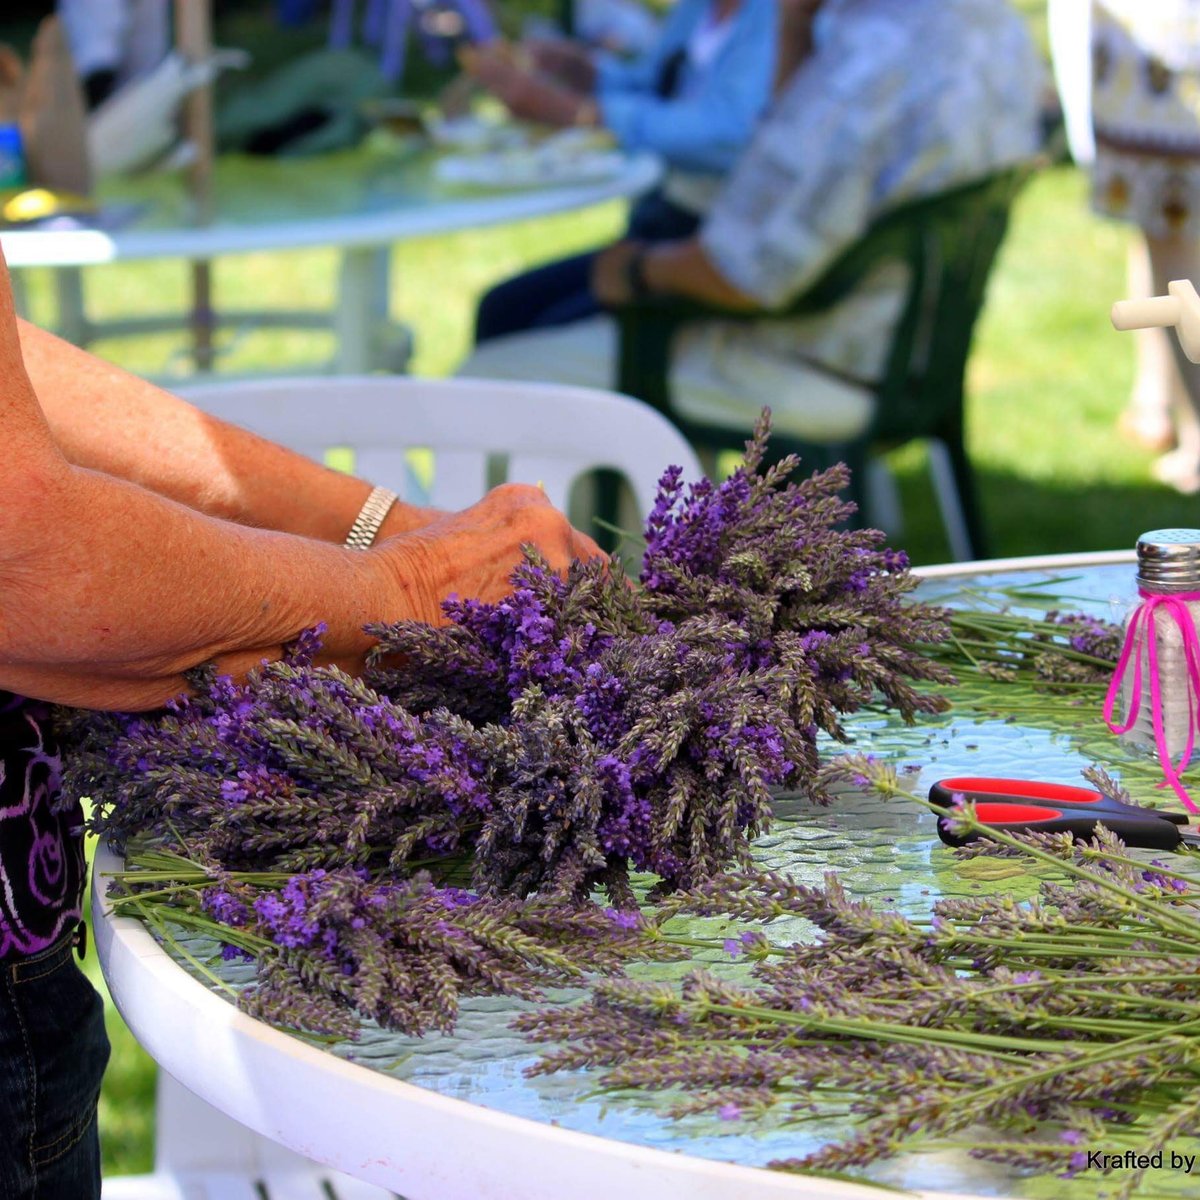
1169,560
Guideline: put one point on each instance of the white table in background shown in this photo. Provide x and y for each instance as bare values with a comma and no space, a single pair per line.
359,203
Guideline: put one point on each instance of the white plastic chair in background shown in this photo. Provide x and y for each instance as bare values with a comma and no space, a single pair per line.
476,432
473,433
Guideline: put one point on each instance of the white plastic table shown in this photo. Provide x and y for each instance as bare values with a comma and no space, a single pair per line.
459,1135
358,202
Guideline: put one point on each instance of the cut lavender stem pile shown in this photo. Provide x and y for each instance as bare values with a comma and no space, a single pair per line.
1024,1032
554,742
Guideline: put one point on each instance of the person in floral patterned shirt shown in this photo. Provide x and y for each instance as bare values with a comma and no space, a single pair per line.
1129,77
140,538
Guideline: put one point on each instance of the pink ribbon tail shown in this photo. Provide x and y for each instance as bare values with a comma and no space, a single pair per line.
1142,627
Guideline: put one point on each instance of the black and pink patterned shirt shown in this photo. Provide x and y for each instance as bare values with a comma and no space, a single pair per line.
42,867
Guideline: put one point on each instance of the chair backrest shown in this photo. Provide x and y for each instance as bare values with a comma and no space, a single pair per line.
949,243
444,442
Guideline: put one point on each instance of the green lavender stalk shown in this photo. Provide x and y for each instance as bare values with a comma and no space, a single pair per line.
916,1032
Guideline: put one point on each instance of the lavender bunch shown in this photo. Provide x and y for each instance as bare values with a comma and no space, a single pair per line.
555,741
298,768
334,947
1068,1021
758,624
757,564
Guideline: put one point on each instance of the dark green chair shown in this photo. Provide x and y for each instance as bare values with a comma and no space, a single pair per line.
949,242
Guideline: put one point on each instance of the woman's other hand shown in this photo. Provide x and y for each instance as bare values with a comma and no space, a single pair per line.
473,553
563,60
522,93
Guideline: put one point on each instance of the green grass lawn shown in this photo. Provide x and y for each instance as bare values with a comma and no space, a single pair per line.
1048,379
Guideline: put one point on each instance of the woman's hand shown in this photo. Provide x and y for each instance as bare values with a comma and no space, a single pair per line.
524,95
563,60
472,553
115,618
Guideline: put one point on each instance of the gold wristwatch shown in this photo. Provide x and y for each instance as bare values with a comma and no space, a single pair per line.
370,517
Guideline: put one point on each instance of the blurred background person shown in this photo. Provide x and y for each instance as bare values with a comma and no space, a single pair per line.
620,26
694,100
885,101
1129,79
114,41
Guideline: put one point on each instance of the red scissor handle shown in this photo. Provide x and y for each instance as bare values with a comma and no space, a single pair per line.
1134,827
986,788
1025,789
1015,814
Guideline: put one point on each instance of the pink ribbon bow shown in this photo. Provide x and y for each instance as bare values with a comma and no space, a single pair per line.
1143,624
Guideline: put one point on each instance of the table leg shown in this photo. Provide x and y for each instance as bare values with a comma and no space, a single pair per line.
203,320
73,324
364,297
20,291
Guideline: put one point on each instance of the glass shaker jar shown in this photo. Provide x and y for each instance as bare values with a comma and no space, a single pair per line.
1157,680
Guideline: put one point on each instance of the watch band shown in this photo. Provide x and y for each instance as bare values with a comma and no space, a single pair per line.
635,274
366,525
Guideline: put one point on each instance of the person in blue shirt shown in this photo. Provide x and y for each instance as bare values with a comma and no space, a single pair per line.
694,100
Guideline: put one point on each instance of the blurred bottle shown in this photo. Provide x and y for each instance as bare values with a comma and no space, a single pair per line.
12,150
1158,685
445,25
12,157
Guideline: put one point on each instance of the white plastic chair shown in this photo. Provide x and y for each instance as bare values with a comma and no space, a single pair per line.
200,1154
474,433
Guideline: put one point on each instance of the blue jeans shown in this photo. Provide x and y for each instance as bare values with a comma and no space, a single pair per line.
53,1051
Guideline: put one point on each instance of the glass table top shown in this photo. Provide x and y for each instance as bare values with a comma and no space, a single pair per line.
253,190
884,850
371,196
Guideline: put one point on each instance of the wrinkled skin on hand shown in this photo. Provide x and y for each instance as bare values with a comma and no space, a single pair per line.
473,553
469,554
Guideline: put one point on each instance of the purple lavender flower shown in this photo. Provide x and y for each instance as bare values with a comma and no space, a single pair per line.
286,915
226,908
546,745
624,918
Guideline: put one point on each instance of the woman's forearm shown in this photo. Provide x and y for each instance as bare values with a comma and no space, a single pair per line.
681,268
105,419
111,592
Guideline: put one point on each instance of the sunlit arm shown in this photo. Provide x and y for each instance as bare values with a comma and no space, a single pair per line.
111,421
682,268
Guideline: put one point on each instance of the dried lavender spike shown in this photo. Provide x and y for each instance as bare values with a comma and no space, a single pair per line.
1074,1016
574,732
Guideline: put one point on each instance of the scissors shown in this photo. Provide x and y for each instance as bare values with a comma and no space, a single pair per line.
1027,806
